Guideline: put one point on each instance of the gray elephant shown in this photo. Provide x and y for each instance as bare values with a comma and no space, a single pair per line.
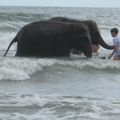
96,38
52,39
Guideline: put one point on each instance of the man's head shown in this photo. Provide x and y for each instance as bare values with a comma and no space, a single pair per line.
114,32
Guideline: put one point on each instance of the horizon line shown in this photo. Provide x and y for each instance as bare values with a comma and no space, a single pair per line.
57,6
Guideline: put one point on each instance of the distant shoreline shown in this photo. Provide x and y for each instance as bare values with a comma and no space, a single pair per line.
63,7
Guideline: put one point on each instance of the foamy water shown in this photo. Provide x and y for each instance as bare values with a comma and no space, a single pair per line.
72,88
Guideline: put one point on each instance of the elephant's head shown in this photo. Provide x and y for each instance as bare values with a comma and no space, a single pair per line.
96,38
93,29
80,39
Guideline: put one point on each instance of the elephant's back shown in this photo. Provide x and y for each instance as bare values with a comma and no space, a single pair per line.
51,27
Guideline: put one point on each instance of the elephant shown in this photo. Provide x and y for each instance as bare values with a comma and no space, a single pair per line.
96,38
52,39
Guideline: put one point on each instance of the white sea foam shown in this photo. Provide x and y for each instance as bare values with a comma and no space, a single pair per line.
22,68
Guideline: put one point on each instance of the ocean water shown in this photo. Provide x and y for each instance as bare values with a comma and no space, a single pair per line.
72,88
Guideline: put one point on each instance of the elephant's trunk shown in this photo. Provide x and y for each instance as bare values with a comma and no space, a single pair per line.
104,44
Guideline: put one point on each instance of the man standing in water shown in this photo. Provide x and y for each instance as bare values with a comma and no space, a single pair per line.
116,41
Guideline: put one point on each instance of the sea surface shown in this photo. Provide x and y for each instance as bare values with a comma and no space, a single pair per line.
72,88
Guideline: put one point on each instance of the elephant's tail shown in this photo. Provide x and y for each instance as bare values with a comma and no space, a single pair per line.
14,40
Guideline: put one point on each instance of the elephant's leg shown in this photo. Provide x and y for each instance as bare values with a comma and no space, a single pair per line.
18,52
62,51
62,48
22,50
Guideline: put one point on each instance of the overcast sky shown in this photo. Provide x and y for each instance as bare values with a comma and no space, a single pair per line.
72,3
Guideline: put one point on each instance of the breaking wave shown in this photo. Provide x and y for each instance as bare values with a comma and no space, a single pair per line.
24,68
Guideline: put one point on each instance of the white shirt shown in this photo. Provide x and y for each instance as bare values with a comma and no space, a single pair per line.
116,41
